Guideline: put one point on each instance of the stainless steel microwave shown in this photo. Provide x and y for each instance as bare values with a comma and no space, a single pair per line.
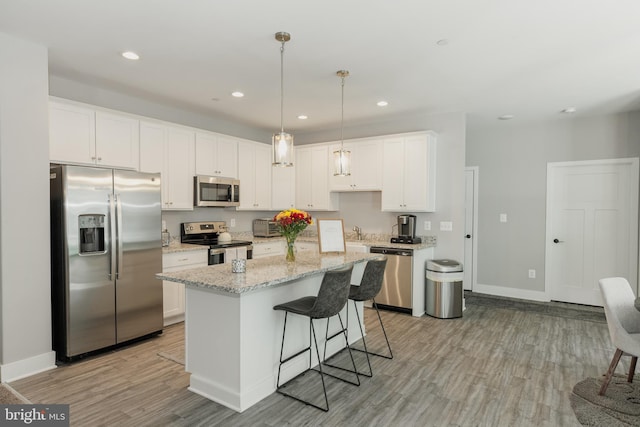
215,191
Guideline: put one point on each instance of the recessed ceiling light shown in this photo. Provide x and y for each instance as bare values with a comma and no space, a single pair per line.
382,103
237,94
506,117
442,42
131,55
303,117
569,110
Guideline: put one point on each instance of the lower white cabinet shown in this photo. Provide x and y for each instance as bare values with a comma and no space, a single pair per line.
265,249
173,292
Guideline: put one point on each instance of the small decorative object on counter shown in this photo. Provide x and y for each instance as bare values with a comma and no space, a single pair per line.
292,222
238,265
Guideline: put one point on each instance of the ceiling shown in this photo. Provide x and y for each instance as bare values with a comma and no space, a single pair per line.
496,57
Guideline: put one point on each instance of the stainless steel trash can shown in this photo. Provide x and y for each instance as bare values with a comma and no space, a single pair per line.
444,288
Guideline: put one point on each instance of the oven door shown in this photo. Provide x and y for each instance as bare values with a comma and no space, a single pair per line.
216,256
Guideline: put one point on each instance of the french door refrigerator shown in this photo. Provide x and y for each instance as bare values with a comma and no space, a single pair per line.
105,251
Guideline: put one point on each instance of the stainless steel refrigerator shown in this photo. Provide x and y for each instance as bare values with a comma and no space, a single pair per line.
105,251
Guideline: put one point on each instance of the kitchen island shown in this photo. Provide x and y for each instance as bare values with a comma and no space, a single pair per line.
232,333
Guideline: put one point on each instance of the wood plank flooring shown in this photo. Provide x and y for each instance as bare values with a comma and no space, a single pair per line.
493,367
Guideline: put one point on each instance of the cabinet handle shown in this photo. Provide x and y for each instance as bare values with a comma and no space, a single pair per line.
99,158
93,158
183,259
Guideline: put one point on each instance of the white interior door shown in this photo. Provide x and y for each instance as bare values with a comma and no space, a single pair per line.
592,227
470,227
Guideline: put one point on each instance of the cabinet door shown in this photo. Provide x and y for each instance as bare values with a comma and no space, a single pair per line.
392,175
304,199
247,175
180,169
172,302
153,139
117,140
205,152
366,160
262,177
227,157
254,171
339,183
320,178
415,173
283,187
71,134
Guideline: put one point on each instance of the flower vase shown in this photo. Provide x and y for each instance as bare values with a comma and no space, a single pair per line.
291,253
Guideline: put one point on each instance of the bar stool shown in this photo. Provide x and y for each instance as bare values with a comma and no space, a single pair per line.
331,299
370,286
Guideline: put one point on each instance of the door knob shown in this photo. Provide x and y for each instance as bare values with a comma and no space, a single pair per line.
468,236
557,241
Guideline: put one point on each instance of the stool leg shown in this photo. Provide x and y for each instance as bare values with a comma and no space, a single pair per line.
284,329
384,332
632,368
353,362
364,342
324,388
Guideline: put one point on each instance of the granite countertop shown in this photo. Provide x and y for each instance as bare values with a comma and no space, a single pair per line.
176,246
427,242
262,273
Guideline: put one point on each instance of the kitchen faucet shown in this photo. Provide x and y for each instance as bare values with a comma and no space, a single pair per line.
358,232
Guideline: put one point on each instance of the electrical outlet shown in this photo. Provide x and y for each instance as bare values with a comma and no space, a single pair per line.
532,274
232,222
427,225
503,217
446,226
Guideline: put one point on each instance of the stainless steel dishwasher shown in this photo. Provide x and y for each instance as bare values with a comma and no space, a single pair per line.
396,286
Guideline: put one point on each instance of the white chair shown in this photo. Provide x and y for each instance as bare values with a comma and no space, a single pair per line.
623,320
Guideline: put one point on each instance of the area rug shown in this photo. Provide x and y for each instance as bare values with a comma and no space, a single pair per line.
8,396
620,406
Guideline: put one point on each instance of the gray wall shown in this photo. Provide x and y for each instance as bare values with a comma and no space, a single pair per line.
25,324
512,160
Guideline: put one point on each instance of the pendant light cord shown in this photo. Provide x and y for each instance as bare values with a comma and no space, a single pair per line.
282,87
342,119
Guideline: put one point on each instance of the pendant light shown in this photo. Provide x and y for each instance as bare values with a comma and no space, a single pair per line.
282,142
342,157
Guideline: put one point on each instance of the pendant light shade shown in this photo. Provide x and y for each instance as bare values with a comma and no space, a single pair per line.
342,157
282,142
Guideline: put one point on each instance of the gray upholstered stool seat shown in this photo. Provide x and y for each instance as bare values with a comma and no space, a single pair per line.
331,299
370,286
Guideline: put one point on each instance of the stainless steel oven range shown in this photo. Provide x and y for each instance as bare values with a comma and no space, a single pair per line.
207,233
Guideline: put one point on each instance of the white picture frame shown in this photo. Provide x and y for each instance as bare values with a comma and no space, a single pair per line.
331,235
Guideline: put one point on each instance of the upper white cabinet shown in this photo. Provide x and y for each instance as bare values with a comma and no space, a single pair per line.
216,155
254,172
312,179
169,150
283,187
366,164
79,134
409,173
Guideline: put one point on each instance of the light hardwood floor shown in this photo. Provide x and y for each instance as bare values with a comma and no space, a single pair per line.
493,367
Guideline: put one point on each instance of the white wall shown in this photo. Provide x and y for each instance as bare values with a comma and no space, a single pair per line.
25,324
512,159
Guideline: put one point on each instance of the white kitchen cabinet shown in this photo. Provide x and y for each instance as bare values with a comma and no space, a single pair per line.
254,172
80,134
269,248
173,292
306,246
169,150
216,155
366,164
409,173
283,188
312,180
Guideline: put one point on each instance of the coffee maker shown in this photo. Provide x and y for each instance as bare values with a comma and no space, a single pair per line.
406,230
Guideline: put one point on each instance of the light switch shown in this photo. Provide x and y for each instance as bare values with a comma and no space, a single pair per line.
446,226
427,225
232,222
503,217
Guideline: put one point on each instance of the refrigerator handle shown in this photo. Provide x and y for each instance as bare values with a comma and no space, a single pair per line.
112,236
118,235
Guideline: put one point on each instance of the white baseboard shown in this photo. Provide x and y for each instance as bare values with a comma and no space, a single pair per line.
511,292
26,367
